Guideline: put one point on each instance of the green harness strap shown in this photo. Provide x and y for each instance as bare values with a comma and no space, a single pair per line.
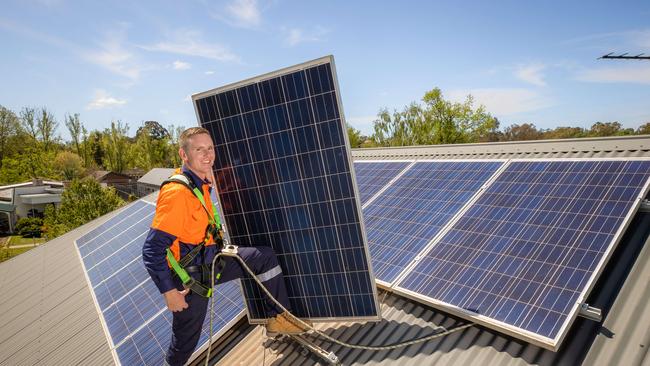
213,228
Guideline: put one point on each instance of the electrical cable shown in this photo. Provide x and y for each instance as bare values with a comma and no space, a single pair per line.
302,324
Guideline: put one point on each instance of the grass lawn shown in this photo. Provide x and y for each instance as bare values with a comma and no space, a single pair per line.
8,253
19,240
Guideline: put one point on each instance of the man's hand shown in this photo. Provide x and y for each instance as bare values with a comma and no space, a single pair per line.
176,299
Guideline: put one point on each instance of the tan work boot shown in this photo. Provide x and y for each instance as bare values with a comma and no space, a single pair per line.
285,324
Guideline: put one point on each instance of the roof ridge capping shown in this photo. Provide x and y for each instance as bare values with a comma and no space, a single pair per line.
616,146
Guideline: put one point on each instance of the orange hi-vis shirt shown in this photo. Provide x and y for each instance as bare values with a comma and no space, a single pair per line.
179,223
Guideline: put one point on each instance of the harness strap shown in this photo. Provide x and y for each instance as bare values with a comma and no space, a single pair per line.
213,229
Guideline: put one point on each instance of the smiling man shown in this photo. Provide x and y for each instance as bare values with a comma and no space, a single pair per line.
186,227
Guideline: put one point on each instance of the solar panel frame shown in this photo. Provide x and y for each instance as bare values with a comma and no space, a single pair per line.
552,344
270,76
103,228
391,285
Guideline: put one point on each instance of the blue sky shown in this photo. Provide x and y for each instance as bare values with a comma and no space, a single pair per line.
134,61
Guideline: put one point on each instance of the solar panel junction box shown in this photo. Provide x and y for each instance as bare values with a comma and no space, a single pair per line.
590,312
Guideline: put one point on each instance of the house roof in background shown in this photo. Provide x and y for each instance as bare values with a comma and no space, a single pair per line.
156,176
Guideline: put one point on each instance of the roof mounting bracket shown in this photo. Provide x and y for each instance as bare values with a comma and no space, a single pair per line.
329,357
590,312
645,206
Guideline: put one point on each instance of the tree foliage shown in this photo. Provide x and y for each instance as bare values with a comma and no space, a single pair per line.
116,147
84,200
355,137
434,121
46,127
29,227
9,127
525,131
69,165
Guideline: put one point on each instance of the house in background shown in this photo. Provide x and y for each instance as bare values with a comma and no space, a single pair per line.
151,181
124,184
27,199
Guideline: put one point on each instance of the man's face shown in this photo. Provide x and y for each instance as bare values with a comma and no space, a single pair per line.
199,156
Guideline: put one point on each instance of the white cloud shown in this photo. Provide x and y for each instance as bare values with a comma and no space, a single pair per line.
190,43
637,74
188,98
531,73
295,36
209,72
244,13
113,56
503,101
180,65
103,100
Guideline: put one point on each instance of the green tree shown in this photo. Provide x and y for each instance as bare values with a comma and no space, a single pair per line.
435,121
29,227
116,145
152,147
599,129
522,132
172,155
9,127
69,165
84,200
46,127
155,130
75,127
28,122
355,137
565,133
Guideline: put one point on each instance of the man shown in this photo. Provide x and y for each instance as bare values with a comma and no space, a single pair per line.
180,224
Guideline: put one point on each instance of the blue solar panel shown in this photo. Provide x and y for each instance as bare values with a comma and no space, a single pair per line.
372,176
131,307
284,180
525,254
403,219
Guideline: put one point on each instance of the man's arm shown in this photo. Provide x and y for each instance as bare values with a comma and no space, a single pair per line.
165,228
154,252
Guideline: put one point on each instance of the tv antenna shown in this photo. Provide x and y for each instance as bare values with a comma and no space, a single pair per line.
624,56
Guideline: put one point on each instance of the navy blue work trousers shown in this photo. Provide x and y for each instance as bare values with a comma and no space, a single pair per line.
187,324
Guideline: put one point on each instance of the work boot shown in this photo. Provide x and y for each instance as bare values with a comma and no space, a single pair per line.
285,323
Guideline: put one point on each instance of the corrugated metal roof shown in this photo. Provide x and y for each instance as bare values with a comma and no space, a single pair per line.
597,147
46,311
156,176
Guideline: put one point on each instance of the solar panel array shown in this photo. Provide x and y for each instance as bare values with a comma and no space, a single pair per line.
284,175
415,207
134,313
527,251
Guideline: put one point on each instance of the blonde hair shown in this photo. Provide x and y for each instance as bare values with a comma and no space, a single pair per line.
184,139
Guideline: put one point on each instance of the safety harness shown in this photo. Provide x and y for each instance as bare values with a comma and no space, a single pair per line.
181,268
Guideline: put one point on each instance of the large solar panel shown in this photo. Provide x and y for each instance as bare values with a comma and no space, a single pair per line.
372,176
525,255
406,216
284,175
131,308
